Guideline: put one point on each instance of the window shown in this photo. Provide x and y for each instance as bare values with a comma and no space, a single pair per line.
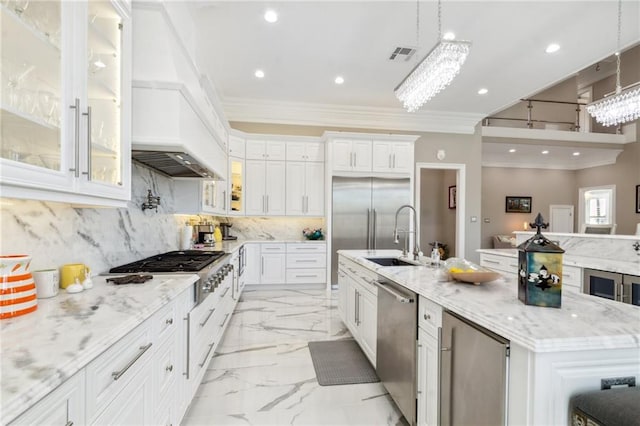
597,205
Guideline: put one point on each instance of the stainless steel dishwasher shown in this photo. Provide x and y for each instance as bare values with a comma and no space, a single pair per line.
474,366
396,345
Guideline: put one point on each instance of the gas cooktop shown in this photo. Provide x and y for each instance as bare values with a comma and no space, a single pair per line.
173,261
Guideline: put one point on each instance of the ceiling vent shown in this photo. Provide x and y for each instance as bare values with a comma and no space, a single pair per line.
402,54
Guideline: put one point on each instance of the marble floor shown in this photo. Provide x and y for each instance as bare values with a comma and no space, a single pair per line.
262,372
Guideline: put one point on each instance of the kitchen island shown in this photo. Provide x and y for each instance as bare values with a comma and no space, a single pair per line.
554,353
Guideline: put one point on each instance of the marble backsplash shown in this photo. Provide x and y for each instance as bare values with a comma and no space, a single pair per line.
56,233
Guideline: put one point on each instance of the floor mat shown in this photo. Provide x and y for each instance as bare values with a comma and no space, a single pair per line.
341,362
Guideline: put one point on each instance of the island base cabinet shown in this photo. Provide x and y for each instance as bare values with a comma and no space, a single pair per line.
63,406
427,383
541,384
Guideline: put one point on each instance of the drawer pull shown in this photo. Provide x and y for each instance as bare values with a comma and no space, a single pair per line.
117,374
204,361
69,423
169,321
495,262
306,276
225,320
225,293
305,248
427,317
169,368
305,260
208,316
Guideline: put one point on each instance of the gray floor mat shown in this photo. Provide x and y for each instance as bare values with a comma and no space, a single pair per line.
341,362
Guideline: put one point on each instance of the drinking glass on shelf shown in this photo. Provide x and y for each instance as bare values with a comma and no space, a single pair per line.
46,105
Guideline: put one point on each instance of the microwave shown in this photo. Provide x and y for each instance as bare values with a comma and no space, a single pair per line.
610,285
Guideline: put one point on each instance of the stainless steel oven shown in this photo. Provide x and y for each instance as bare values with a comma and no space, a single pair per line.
614,286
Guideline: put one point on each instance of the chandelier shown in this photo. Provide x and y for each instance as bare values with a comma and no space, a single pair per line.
624,105
435,71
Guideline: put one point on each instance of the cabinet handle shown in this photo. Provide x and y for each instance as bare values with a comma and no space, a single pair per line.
88,115
357,307
226,317
302,203
267,197
169,368
355,159
262,266
188,352
69,423
263,205
224,200
225,293
427,317
390,162
492,261
117,374
306,276
305,260
208,316
394,161
169,321
204,361
76,169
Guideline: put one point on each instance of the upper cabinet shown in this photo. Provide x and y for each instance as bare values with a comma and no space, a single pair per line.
305,151
370,154
265,150
65,113
392,157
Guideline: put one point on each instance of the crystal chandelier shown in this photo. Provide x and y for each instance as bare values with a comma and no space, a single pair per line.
435,71
622,107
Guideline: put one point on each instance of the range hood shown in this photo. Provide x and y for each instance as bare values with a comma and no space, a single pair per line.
169,134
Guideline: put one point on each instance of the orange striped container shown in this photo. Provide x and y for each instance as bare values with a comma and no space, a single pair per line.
17,288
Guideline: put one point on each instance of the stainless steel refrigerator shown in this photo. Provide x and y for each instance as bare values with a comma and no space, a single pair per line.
363,214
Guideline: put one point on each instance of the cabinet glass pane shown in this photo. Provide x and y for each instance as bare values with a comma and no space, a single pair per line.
236,186
30,82
104,78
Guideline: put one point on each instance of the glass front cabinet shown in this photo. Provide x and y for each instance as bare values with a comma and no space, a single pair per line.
65,104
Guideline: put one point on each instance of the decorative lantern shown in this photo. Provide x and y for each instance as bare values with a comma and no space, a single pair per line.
540,269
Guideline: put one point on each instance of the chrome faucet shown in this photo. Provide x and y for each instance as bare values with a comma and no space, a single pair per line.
396,231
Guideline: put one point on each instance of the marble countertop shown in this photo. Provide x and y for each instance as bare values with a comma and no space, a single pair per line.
583,323
40,350
231,246
621,267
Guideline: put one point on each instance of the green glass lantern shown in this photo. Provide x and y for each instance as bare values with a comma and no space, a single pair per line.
540,269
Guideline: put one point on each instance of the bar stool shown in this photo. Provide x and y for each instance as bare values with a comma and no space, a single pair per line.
611,407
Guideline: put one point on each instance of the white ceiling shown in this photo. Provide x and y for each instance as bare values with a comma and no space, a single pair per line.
314,41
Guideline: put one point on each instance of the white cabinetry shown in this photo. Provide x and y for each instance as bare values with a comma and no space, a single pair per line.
66,112
306,263
251,273
361,311
305,189
429,323
195,196
272,263
265,187
351,155
63,406
265,150
305,151
392,157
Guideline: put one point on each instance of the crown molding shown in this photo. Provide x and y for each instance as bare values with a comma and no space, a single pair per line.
355,117
609,158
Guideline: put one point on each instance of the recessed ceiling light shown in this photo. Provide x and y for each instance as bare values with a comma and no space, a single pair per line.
512,150
552,48
271,16
339,80
545,152
575,154
483,91
449,36
259,73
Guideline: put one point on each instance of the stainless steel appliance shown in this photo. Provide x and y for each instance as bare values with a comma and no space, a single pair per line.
205,234
211,266
473,374
225,231
364,213
396,345
610,285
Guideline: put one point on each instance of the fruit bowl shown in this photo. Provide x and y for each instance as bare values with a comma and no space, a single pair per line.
469,272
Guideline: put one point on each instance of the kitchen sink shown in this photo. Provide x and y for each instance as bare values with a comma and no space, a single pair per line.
390,261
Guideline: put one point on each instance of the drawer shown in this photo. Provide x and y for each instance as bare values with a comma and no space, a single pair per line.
272,247
306,276
572,276
166,367
499,263
306,248
109,374
306,260
361,275
429,316
165,322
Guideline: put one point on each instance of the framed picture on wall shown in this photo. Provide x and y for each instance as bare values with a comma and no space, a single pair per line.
637,198
452,197
517,204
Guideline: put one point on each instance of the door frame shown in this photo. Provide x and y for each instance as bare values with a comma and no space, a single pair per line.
461,195
573,217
